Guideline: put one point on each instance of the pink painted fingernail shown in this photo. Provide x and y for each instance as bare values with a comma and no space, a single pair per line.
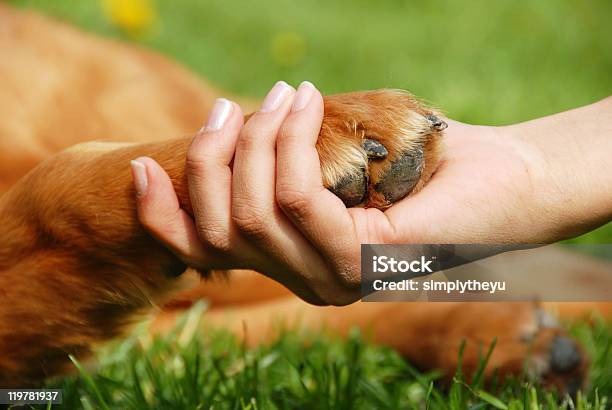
302,98
139,174
218,115
275,97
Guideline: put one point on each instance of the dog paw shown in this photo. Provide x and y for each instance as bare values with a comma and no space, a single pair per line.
376,147
556,359
529,343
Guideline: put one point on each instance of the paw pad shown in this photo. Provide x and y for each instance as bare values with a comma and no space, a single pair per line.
402,176
352,188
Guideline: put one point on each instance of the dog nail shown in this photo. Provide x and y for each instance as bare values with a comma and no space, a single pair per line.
436,122
374,149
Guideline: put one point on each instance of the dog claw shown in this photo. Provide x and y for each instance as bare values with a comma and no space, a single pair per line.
374,149
436,122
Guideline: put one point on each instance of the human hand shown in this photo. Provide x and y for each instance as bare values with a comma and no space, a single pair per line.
258,200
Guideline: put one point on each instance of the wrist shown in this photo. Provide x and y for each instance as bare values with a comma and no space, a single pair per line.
544,215
566,157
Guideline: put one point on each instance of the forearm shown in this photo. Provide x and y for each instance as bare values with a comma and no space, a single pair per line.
569,168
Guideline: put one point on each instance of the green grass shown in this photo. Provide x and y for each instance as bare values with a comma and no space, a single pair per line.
480,61
187,370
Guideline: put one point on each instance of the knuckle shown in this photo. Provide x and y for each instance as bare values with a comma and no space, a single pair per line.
350,279
195,164
348,273
296,203
246,141
290,128
250,140
215,238
249,220
342,289
289,138
202,155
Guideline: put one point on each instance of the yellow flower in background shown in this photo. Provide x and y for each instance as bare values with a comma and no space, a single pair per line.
132,16
288,48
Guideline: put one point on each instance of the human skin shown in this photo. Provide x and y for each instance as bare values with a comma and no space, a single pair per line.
531,183
535,182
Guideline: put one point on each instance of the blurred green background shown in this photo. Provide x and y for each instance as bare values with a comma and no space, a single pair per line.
487,62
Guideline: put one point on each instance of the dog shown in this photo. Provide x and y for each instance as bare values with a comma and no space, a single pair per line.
77,268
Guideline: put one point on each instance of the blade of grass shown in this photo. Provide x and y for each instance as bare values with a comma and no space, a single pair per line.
90,383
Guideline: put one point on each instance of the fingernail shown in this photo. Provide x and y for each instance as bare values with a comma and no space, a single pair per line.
218,115
139,174
275,97
304,93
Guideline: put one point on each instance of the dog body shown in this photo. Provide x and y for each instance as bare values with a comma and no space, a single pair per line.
76,267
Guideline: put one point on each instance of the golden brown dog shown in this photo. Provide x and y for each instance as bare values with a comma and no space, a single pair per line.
76,266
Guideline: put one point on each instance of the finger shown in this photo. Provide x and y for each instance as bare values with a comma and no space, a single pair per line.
209,174
253,191
318,214
160,213
284,254
253,186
